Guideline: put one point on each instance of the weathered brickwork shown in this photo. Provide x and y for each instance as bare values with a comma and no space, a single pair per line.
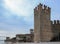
55,27
44,29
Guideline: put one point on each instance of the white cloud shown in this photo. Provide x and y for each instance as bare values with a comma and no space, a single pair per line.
11,30
6,33
1,32
20,7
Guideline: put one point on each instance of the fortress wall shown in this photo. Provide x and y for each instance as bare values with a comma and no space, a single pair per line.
56,27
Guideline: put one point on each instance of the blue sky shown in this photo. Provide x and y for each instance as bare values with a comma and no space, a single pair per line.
16,16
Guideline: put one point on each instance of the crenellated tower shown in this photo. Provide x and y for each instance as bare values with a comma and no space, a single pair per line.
42,24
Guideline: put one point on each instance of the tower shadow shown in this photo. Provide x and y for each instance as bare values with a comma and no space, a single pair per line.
55,39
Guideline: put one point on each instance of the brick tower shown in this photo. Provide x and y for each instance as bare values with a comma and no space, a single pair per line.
42,24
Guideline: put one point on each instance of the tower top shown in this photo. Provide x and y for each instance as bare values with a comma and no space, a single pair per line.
41,7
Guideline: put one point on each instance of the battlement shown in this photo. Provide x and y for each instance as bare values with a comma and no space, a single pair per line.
42,7
55,22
